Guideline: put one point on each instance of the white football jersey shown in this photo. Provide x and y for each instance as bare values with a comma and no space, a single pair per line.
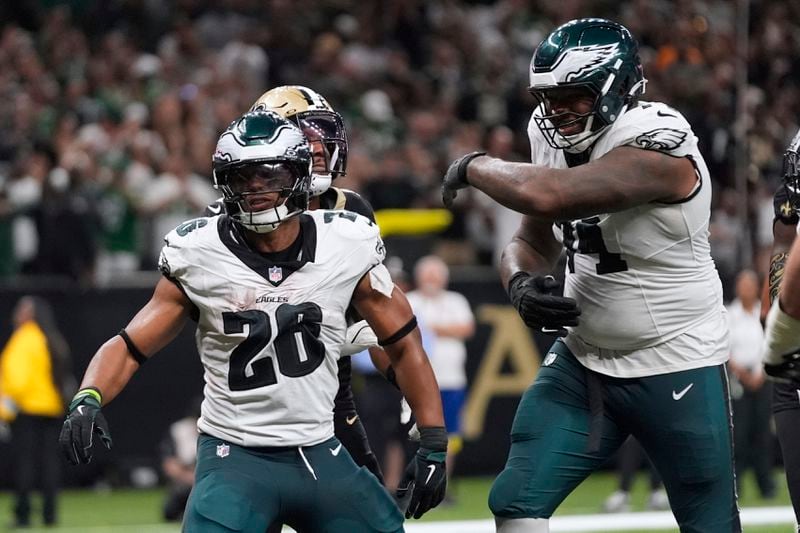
650,295
269,334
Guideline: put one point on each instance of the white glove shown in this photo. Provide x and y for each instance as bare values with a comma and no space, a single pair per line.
781,336
358,338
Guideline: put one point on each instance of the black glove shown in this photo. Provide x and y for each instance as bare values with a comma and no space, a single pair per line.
539,309
786,372
84,419
426,475
456,177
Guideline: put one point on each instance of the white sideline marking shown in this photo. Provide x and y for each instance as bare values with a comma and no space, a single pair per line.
607,522
751,516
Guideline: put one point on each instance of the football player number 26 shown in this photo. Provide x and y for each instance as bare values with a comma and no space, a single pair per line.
297,346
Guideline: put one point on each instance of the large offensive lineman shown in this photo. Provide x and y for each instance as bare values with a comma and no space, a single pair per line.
783,319
621,184
269,284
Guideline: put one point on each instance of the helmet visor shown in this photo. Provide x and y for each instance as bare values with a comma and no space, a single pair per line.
260,179
327,129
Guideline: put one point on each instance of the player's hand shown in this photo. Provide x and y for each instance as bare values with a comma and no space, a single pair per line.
787,371
456,177
539,308
425,478
84,420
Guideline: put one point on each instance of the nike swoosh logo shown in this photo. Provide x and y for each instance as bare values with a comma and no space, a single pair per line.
660,114
432,470
678,395
215,209
351,421
335,451
80,409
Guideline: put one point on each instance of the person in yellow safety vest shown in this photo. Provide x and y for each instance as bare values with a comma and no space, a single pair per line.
35,379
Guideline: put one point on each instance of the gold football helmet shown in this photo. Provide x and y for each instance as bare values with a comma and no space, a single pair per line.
322,125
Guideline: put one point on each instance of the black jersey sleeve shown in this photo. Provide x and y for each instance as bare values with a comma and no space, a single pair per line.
356,203
783,211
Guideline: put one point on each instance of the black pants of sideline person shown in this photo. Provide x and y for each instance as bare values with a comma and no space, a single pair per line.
753,440
36,454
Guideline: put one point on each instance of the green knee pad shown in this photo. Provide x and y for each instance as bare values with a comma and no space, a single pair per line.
506,496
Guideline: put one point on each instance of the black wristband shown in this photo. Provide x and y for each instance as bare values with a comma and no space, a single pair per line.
135,352
464,163
433,438
518,277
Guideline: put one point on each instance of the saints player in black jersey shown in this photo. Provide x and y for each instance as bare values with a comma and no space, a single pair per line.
786,391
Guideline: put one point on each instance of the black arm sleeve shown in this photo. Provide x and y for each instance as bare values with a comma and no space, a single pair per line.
356,203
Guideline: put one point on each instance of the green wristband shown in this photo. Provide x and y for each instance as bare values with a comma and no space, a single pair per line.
89,391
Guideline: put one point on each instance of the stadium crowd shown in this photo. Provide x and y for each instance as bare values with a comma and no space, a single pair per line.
111,109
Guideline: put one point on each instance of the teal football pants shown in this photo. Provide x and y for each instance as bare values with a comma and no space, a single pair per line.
682,420
315,489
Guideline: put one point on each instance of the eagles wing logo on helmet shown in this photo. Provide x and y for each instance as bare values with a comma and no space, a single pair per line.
579,61
666,139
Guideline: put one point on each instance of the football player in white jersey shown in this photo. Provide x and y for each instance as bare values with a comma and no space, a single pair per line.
783,321
269,284
619,184
326,133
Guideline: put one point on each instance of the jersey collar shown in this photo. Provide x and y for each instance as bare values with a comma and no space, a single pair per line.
275,272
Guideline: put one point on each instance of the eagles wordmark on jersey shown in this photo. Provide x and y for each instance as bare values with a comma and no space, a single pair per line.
269,333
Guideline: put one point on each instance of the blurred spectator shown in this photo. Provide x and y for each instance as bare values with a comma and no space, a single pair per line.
725,236
178,459
750,393
65,221
447,315
629,460
35,383
176,195
417,82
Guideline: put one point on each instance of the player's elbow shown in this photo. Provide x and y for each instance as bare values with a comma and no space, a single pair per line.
541,204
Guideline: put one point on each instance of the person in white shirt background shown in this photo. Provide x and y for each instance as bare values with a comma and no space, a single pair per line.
750,393
447,315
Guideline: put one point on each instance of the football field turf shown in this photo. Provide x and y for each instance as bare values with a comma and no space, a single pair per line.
138,511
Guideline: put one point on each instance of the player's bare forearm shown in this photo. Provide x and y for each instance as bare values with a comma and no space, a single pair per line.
416,380
379,359
110,369
391,319
533,249
623,178
790,287
153,327
777,266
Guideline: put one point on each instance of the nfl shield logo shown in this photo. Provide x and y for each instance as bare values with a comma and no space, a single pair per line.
223,450
275,274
